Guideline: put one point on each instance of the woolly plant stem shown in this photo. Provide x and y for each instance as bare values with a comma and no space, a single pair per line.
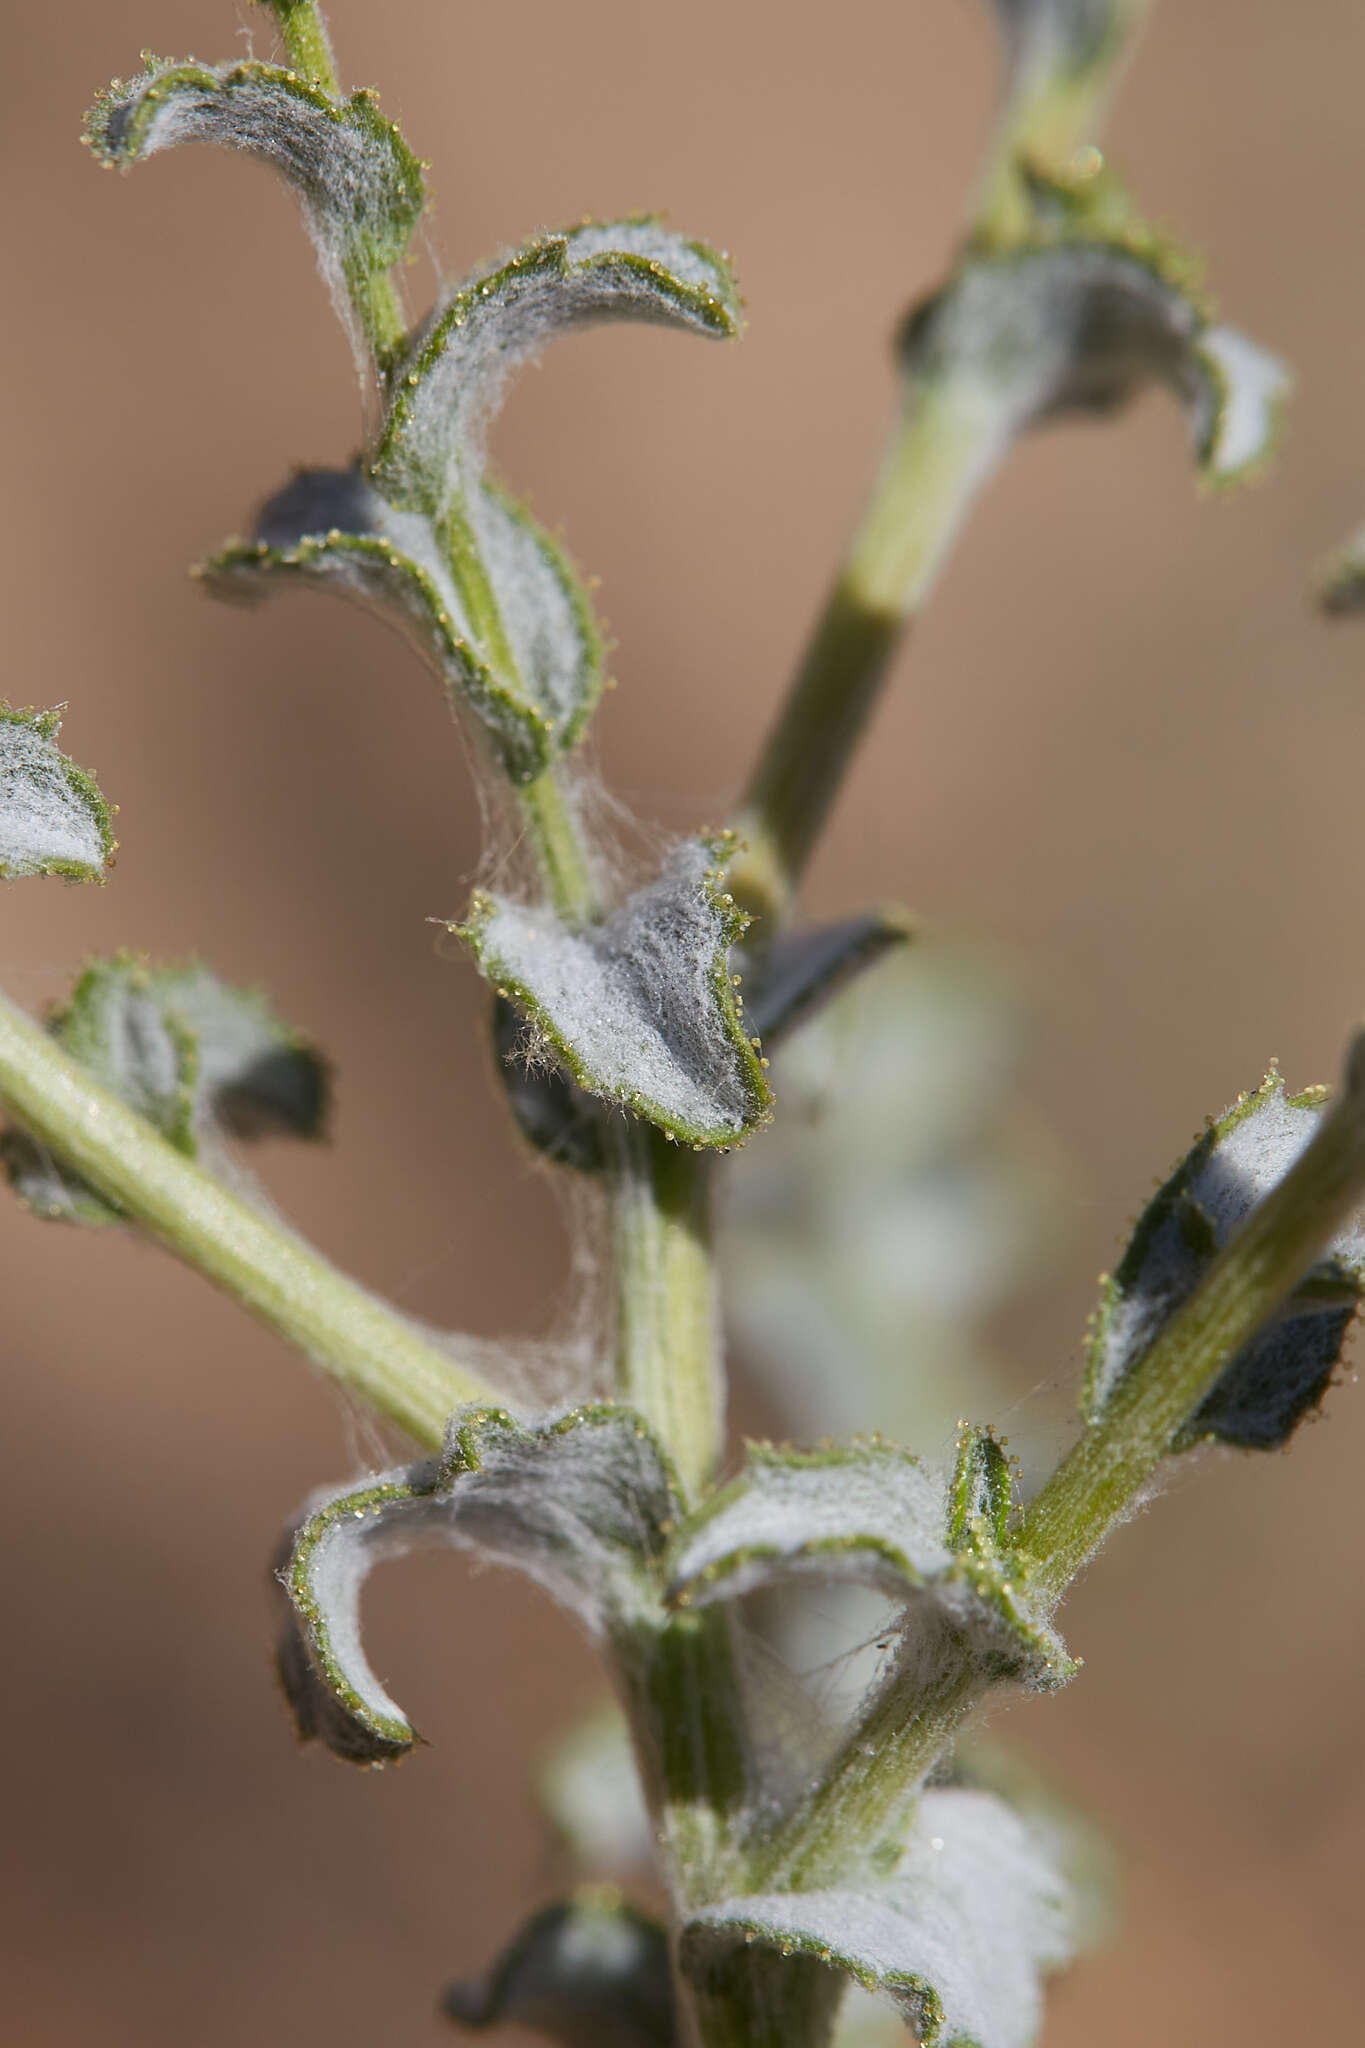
907,1726
374,298
357,1340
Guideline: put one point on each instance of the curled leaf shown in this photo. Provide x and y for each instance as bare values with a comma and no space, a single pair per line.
452,380
1079,326
358,182
590,1973
640,1009
804,969
959,1936
53,820
1282,1374
531,681
551,1111
580,1505
185,1051
872,1515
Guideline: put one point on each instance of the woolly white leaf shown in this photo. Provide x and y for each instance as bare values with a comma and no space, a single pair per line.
333,530
1077,326
959,1937
640,1008
592,1973
185,1051
871,1515
359,184
580,1505
453,378
1281,1374
53,820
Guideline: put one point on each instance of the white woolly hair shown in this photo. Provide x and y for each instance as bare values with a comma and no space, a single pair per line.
48,819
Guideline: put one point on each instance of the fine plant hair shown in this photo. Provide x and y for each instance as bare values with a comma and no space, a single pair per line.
849,1872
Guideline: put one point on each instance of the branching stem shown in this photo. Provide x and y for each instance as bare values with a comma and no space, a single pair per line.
360,1342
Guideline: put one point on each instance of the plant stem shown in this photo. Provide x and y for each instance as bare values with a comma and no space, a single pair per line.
1050,112
359,1341
1098,1481
667,1320
304,35
373,294
937,460
865,1795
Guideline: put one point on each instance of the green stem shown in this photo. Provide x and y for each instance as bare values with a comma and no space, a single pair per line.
1048,116
1097,1483
304,35
937,460
865,1795
667,1320
359,1341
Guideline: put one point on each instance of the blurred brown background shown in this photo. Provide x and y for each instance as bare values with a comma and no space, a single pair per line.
1123,752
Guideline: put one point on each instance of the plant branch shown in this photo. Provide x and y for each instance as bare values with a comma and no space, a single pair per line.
1099,1481
359,1341
937,460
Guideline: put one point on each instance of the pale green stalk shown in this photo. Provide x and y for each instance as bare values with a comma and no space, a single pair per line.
939,456
356,1339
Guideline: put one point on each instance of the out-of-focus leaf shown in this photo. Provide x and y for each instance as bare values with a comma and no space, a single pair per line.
591,1973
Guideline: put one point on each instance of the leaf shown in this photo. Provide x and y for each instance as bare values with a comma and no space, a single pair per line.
53,820
589,1788
452,380
1342,590
359,184
1079,326
580,1505
332,530
551,1111
590,1973
1282,1374
870,1514
185,1051
641,1008
959,1937
803,970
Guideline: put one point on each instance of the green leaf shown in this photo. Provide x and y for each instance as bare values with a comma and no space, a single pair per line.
1282,1374
185,1051
331,530
641,1009
53,820
804,969
870,1514
431,446
358,182
590,1973
581,1505
959,1936
1077,326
